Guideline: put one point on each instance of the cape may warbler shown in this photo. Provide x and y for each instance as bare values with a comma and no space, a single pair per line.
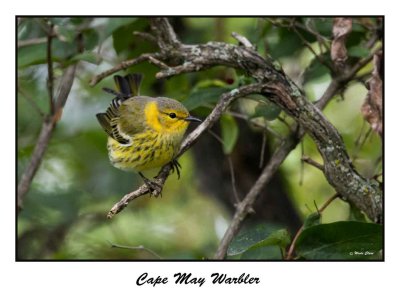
143,132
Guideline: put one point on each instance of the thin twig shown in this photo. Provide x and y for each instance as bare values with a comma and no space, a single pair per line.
321,40
376,164
31,101
327,202
231,169
218,138
262,153
357,141
246,204
36,158
253,122
48,125
50,78
301,164
283,120
361,143
64,88
312,162
306,27
377,176
233,180
317,56
32,41
243,40
358,65
290,252
125,64
146,36
140,247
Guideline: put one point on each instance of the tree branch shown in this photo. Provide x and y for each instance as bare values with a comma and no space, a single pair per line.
50,78
40,148
312,162
335,86
244,207
48,125
31,101
32,41
124,65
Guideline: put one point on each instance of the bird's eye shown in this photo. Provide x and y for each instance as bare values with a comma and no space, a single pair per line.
172,115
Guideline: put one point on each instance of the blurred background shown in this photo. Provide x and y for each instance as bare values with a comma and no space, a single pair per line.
64,215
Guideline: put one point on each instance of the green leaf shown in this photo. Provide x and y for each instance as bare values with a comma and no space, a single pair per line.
262,253
90,38
287,44
268,111
88,56
355,38
358,52
229,132
258,105
208,83
356,214
256,97
270,248
316,69
30,55
114,24
344,240
126,44
322,25
66,33
202,97
279,238
78,20
256,236
312,220
59,21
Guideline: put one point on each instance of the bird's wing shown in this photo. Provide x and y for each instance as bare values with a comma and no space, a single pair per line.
110,120
127,88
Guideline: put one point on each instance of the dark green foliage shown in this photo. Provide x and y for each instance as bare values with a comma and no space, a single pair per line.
262,241
344,240
316,69
264,109
229,133
31,55
312,220
203,96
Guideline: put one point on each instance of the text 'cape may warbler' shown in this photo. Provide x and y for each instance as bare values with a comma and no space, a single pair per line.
143,132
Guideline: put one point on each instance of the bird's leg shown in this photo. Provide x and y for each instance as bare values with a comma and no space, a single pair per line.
175,165
154,188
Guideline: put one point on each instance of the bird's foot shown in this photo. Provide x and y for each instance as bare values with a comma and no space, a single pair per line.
175,165
154,188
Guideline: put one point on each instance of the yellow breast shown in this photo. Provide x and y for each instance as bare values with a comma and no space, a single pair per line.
147,151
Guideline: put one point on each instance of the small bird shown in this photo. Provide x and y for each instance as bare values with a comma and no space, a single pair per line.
143,132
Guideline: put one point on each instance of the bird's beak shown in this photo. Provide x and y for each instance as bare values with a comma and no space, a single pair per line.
192,119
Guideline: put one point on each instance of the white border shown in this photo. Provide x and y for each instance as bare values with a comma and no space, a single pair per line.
102,284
